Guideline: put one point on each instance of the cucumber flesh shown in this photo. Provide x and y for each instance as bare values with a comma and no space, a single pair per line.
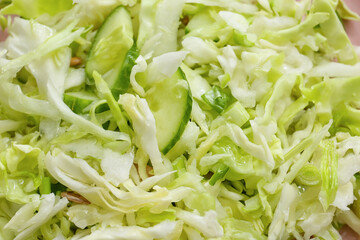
78,101
110,48
122,82
170,102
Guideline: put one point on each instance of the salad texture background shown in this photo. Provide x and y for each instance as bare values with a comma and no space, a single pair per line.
186,119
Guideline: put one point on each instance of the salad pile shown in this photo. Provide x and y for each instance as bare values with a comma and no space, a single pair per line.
178,119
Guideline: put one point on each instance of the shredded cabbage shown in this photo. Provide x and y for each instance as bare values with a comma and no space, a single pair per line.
268,146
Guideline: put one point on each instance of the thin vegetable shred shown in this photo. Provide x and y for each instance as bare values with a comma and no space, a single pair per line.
178,119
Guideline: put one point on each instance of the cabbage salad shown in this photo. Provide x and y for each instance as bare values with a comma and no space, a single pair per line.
178,119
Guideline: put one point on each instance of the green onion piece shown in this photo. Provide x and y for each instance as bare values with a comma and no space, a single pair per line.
329,176
224,80
104,90
45,186
217,98
219,174
309,175
237,114
3,22
357,177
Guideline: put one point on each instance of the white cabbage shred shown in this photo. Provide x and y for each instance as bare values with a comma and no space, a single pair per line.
225,119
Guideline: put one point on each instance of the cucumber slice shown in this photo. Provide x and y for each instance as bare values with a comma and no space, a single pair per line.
113,51
170,102
122,83
78,101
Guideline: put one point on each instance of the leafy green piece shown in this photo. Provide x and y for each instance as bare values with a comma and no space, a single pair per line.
163,17
179,165
206,224
219,174
338,93
240,230
231,161
217,98
163,230
333,30
224,119
293,33
242,39
145,216
31,216
288,197
35,8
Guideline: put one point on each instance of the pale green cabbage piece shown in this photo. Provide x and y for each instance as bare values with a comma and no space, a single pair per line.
35,8
288,170
145,129
163,230
34,214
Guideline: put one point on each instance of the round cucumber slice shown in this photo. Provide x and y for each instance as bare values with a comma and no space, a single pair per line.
78,101
111,49
170,102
